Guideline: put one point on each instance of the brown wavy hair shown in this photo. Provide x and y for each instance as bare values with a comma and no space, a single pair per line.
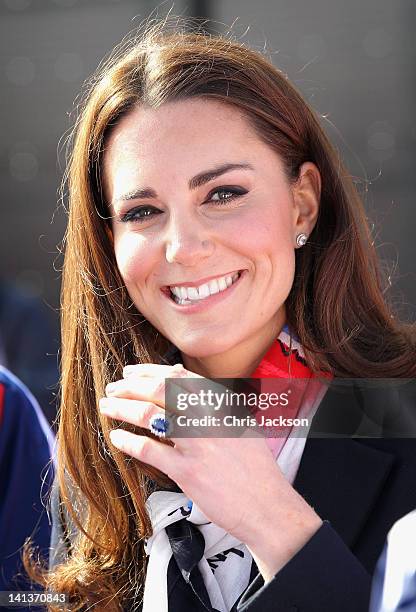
337,306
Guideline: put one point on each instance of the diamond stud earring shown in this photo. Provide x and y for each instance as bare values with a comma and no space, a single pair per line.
301,239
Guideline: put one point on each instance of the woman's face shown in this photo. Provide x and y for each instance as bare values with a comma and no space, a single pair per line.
196,196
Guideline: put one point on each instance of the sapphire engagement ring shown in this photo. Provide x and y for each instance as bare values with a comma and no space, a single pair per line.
159,425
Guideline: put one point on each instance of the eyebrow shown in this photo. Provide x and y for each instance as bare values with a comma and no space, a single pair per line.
196,181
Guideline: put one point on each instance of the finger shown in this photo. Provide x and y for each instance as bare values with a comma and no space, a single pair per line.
162,456
152,369
150,389
135,412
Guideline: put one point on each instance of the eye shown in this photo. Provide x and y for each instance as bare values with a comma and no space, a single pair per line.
139,214
231,193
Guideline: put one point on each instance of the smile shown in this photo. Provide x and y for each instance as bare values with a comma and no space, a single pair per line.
193,298
183,294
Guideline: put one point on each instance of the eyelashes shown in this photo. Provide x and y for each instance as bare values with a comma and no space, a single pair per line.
235,193
140,214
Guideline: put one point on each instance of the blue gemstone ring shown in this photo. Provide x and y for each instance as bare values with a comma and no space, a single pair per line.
160,425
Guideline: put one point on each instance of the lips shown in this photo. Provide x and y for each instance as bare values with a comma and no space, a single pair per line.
196,306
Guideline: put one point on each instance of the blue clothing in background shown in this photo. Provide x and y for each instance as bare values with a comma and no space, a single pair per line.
394,581
29,343
26,474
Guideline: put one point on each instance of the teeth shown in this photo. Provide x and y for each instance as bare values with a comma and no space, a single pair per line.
184,294
203,291
213,287
192,293
222,284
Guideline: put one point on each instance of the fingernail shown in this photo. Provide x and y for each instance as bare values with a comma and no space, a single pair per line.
117,437
110,388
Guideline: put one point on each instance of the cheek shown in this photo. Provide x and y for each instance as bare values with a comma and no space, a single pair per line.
280,259
269,244
267,238
134,258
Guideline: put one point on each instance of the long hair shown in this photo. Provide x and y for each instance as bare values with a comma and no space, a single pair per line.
337,305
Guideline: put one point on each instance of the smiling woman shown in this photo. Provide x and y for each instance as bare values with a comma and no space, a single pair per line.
214,233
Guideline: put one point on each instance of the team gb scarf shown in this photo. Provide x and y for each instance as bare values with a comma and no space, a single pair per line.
214,566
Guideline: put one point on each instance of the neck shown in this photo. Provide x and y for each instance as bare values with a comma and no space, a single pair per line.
239,361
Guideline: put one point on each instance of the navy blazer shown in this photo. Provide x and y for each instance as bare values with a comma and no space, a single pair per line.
359,487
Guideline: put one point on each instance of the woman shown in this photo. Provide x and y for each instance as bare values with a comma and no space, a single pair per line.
193,160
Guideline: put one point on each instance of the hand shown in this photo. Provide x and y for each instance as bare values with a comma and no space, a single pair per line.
234,481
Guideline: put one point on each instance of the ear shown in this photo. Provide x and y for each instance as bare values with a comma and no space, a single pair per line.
306,198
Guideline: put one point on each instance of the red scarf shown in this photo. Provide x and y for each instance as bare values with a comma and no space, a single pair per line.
285,359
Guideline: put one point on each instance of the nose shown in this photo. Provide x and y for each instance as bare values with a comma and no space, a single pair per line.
187,242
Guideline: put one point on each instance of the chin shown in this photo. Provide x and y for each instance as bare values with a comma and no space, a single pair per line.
203,345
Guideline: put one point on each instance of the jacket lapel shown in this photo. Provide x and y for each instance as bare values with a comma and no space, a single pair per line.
342,480
340,476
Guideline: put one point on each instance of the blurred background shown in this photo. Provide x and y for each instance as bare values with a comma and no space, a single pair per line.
353,61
